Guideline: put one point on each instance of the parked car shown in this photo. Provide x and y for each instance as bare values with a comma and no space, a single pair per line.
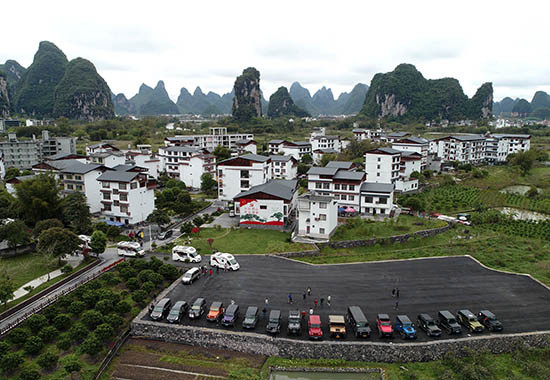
177,312
161,309
274,322
198,308
224,260
448,322
191,275
185,253
250,318
230,316
405,327
165,235
216,312
384,326
427,323
314,327
231,213
337,326
294,323
489,320
358,322
467,319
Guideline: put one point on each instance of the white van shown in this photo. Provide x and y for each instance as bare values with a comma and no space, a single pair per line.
224,260
186,254
130,249
191,275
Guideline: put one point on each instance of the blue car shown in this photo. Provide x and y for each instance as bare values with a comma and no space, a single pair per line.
405,327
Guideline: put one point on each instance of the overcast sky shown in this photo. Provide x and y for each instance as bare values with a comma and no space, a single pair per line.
332,43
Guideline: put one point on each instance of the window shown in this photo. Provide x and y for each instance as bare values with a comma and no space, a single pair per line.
70,186
318,185
322,204
124,197
245,174
107,196
79,187
124,208
116,203
377,166
343,197
321,231
382,211
378,174
351,187
122,186
344,187
383,201
133,185
245,184
378,159
263,207
351,197
336,186
326,186
322,216
368,199
106,207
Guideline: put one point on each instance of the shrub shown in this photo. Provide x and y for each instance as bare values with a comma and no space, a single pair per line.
18,336
140,265
127,272
123,307
48,334
72,365
64,302
67,268
50,313
156,278
64,343
33,345
78,332
104,306
10,362
109,278
35,322
155,263
139,296
169,271
108,294
198,221
114,320
92,318
104,331
48,360
62,321
132,284
148,286
77,307
92,345
29,373
90,297
4,348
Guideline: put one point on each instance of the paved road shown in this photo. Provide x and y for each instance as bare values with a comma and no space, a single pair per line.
426,285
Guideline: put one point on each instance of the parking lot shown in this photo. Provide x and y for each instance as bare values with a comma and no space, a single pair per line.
425,285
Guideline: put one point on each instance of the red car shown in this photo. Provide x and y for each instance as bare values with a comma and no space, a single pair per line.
314,327
385,328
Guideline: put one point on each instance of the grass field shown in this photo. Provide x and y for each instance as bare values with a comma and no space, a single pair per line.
26,267
503,176
244,241
358,228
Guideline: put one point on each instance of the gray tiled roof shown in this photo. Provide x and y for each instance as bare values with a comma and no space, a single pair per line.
78,167
349,175
322,170
280,188
416,140
118,176
506,135
339,164
190,149
377,187
275,141
385,150
277,157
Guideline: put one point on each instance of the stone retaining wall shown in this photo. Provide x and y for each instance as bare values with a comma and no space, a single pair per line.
353,351
387,240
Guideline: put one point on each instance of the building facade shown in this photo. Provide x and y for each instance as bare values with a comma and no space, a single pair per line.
239,174
283,167
382,165
317,216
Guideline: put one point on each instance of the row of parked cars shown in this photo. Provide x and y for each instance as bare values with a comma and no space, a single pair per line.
354,318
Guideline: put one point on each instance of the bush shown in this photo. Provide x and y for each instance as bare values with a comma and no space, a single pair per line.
90,297
148,286
104,331
109,278
29,373
92,318
67,268
62,321
123,307
33,345
145,275
77,307
48,334
35,322
104,306
186,228
169,271
4,348
64,343
114,320
18,336
127,272
92,345
198,221
50,313
65,301
140,265
155,263
156,278
73,365
139,296
10,362
48,360
78,332
132,284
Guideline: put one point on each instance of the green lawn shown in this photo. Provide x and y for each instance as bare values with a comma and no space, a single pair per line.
26,267
503,176
244,241
357,228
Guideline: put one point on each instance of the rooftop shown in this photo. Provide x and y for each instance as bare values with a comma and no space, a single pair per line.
78,167
188,149
413,139
377,187
322,170
349,175
384,150
277,157
315,197
280,188
340,164
118,176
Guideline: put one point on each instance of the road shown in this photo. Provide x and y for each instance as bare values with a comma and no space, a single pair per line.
426,285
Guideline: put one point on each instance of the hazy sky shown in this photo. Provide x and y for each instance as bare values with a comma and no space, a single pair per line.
332,43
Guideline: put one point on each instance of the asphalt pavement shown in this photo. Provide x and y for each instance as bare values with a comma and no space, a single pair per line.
425,286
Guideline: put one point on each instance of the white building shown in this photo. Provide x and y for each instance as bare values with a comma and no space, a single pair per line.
127,197
342,185
368,134
283,167
192,169
109,159
218,136
296,149
20,154
246,146
317,216
270,205
410,162
2,166
462,148
146,160
377,198
82,178
239,174
317,154
325,142
500,146
382,165
414,144
172,156
100,147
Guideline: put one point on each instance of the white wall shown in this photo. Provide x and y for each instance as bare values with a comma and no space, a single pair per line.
309,215
259,173
261,212
382,168
91,190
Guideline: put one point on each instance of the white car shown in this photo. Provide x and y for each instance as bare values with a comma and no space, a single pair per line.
130,249
186,254
224,260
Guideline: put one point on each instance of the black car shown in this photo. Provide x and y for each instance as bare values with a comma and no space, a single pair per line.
250,318
489,320
274,323
448,322
294,323
230,316
177,312
427,323
165,235
198,308
161,309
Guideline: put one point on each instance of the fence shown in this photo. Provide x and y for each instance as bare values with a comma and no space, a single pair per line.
112,353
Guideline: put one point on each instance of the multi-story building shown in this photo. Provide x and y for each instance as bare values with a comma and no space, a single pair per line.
126,196
239,174
192,169
342,185
100,147
82,178
296,149
283,167
394,136
462,148
500,146
20,154
325,142
218,136
414,144
172,156
145,159
382,165
317,216
246,146
109,158
410,162
377,198
367,134
57,145
317,154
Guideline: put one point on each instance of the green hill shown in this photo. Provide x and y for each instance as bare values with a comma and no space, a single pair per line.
281,104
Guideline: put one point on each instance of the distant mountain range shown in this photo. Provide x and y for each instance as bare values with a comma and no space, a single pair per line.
539,107
323,102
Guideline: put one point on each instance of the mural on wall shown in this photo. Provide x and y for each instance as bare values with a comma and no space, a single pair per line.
268,212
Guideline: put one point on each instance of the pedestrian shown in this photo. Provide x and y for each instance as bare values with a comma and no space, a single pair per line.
151,307
322,300
232,302
393,292
264,310
210,271
226,267
310,311
289,298
315,303
397,293
266,303
308,291
304,296
217,269
396,305
328,300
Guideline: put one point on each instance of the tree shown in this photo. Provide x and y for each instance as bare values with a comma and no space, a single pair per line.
11,173
302,168
76,213
58,242
16,233
44,225
38,199
327,158
92,345
104,331
208,183
198,221
7,288
92,318
306,159
33,345
10,362
7,202
186,228
35,322
98,242
221,153
73,365
47,360
158,217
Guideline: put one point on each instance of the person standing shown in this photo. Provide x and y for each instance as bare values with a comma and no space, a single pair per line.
310,311
266,303
308,291
304,296
211,272
289,298
264,310
322,300
396,305
328,300
315,303
397,293
393,292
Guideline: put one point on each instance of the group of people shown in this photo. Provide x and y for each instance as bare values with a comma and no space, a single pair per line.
307,293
